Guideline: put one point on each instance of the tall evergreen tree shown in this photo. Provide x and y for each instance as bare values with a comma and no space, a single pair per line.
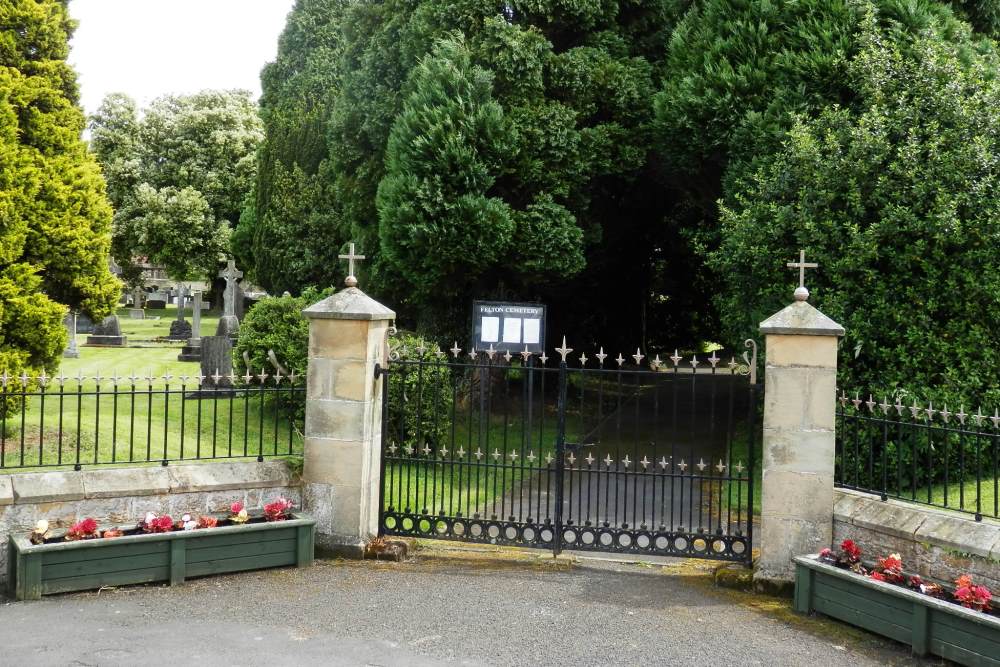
574,85
54,215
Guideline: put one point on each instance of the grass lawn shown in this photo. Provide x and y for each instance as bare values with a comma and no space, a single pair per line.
157,324
153,422
963,496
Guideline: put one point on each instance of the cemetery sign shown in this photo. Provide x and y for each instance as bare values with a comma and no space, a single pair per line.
508,327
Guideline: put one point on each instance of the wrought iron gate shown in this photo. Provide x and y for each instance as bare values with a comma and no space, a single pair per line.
623,455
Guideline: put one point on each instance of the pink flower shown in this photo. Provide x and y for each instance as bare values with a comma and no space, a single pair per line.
972,596
276,511
236,507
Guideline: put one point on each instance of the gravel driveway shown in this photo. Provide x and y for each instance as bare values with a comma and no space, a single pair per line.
442,606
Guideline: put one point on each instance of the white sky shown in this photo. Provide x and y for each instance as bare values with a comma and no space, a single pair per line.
148,48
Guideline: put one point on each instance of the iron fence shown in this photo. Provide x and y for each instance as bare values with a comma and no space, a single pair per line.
919,454
51,422
592,453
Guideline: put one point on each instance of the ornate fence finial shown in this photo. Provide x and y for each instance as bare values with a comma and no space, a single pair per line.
801,293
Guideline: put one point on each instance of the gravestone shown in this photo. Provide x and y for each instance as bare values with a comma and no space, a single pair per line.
217,360
229,324
157,300
71,351
136,312
107,334
192,351
180,329
84,325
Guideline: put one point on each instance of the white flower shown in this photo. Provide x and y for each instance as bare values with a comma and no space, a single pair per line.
42,527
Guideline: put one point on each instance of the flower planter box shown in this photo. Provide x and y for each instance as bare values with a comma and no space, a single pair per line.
36,570
927,624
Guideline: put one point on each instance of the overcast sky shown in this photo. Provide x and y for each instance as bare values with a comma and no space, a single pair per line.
148,48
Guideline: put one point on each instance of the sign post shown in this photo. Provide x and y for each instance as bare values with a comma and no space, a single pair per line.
508,327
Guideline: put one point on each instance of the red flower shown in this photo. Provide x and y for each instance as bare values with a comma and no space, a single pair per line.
276,511
877,576
826,553
892,568
207,522
851,551
82,530
972,596
161,524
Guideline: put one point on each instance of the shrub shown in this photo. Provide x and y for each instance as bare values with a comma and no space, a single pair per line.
420,395
277,323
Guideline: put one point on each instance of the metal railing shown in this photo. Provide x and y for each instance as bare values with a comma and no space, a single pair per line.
919,454
93,420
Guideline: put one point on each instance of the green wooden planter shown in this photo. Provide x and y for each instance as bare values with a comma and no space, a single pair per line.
37,570
927,624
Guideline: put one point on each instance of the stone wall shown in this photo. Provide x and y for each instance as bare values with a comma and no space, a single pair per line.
933,543
124,495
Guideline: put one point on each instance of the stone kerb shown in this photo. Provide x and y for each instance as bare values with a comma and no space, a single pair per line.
798,438
341,468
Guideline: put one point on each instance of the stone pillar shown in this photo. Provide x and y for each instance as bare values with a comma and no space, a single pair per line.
798,444
341,471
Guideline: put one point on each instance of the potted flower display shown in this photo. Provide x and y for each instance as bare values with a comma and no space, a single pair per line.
157,548
957,623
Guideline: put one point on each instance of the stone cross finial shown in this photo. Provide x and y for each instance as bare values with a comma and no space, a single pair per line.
801,293
351,281
231,275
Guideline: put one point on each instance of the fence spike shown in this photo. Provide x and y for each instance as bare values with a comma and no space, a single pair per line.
960,415
995,418
714,360
583,359
601,357
914,409
525,355
638,356
491,352
564,350
885,405
945,415
657,363
4,379
43,379
543,358
677,358
870,403
455,349
694,362
25,379
620,360
472,353
930,410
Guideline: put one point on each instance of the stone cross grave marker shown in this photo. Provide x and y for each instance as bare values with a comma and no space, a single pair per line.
231,275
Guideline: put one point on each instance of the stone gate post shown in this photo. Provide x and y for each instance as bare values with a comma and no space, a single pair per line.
341,471
798,439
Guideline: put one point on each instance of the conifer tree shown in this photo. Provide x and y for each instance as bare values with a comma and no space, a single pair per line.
55,218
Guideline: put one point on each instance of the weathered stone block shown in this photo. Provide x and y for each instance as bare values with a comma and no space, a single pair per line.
784,350
799,451
335,461
40,487
111,483
338,339
225,476
6,491
340,420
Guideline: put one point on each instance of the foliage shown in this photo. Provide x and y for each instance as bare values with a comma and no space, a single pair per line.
177,176
54,216
421,396
440,229
536,185
277,323
898,202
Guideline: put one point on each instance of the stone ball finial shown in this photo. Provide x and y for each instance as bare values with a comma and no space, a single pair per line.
801,293
351,281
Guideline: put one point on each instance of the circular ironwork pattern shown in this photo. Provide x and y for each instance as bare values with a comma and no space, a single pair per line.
468,529
705,545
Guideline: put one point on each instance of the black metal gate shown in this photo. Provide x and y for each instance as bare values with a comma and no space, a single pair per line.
632,455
